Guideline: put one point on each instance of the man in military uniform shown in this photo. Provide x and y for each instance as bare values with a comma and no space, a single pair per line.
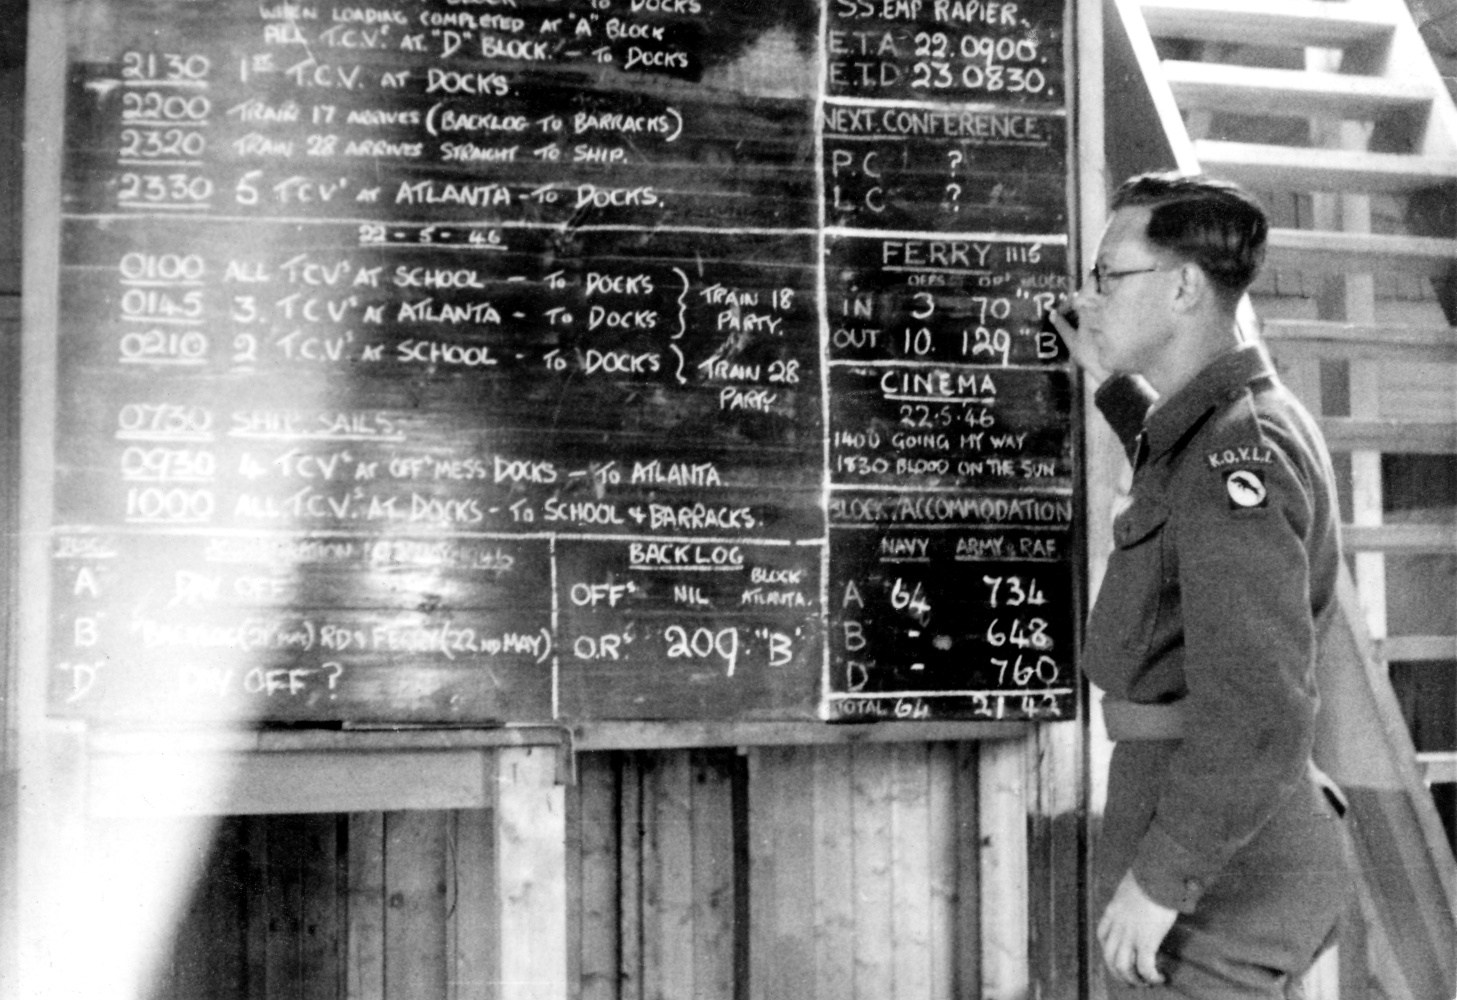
1223,862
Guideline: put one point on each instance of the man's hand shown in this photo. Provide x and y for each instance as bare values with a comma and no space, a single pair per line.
1132,928
1079,345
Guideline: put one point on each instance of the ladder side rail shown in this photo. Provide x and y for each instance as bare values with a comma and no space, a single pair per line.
1133,60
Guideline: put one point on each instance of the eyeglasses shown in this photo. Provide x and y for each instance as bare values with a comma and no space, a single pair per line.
1101,277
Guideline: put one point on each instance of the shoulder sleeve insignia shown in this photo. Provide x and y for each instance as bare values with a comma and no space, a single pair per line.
1256,454
1246,489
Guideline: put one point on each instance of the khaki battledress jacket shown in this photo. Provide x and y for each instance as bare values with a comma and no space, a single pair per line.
1225,558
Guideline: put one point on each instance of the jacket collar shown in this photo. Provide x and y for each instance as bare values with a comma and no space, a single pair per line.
1222,380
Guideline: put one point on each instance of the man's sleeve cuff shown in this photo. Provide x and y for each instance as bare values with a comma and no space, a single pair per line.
1169,873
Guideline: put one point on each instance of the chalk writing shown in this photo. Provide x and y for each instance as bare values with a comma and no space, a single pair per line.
456,362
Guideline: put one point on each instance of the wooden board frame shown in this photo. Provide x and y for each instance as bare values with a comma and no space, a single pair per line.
377,684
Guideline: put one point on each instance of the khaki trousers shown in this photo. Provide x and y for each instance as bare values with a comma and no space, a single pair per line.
1263,921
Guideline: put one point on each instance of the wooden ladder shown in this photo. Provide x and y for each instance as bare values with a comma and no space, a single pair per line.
1333,111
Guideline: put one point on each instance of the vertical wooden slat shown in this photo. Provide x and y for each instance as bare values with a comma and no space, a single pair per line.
668,878
835,875
596,794
414,932
474,931
230,945
1004,926
256,859
216,966
1056,874
910,871
341,904
713,900
782,873
794,904
765,793
743,876
572,872
941,857
364,958
283,899
453,872
320,926
532,874
629,875
652,880
968,869
762,871
872,784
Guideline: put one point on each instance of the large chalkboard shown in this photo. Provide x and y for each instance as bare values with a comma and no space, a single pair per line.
438,361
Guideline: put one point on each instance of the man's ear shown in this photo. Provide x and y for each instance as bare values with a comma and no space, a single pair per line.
1193,288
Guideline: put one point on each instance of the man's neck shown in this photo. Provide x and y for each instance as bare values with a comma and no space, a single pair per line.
1193,350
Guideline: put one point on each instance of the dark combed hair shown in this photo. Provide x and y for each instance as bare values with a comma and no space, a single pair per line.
1213,223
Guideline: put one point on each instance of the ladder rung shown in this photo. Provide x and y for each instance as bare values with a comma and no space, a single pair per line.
1396,335
1289,351
1417,647
1438,768
1289,93
1361,253
1401,539
1401,437
1296,23
1320,339
1296,168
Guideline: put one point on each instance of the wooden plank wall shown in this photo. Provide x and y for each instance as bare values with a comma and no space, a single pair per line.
863,872
267,919
834,872
660,896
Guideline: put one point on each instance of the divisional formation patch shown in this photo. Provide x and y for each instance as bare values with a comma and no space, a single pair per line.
1246,489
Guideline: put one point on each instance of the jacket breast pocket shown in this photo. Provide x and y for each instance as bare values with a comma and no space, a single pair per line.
1132,593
